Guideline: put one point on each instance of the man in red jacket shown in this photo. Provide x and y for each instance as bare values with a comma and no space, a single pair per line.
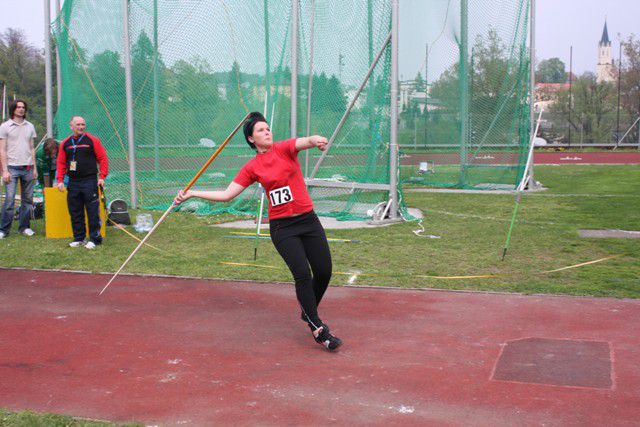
79,157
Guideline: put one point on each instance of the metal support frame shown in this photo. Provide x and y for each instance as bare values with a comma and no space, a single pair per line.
532,77
156,121
294,68
619,81
58,73
310,85
627,133
267,59
129,100
47,67
527,176
4,101
350,185
393,145
464,87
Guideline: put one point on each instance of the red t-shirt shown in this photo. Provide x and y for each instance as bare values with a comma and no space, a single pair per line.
278,170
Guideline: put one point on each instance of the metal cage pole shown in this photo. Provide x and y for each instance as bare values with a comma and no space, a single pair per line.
129,98
267,60
618,108
464,88
58,73
156,113
47,66
393,146
294,68
310,86
532,77
371,89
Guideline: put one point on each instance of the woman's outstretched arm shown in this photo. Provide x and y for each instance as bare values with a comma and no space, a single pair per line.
216,196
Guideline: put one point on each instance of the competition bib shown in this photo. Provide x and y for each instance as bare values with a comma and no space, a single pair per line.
280,196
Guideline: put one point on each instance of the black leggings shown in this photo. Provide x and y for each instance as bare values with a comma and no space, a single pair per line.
301,242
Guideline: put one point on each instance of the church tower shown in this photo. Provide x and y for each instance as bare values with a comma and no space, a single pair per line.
605,69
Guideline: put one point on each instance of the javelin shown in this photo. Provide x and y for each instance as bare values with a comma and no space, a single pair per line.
173,204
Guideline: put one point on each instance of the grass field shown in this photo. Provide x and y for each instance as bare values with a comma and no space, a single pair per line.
30,419
472,230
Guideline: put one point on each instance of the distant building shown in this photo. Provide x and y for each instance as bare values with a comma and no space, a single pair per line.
546,94
409,94
605,70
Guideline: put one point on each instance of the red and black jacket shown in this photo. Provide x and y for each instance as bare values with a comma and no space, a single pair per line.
87,151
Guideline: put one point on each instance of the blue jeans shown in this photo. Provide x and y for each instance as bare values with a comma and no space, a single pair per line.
24,174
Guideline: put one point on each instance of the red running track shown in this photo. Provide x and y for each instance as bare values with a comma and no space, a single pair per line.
175,351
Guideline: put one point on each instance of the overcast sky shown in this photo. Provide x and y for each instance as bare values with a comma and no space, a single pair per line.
559,25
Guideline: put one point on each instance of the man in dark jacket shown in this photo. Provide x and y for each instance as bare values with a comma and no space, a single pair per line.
79,157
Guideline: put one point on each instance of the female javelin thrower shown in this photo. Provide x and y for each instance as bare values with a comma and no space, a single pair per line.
295,229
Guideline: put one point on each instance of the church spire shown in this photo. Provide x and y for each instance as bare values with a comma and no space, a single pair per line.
605,35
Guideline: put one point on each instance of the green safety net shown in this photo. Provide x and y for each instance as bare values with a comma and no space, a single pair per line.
472,129
197,67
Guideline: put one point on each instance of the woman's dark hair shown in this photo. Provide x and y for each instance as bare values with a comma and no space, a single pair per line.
254,118
14,104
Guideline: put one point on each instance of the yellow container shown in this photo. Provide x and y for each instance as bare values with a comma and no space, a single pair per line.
57,221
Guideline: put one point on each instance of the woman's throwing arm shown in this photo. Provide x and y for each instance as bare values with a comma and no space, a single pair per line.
215,196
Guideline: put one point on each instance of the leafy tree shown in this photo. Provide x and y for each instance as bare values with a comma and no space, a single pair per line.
630,81
589,111
196,101
107,71
328,95
420,86
496,81
22,70
551,71
142,63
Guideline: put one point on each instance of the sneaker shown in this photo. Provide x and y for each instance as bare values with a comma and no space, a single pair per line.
28,232
90,245
2,235
76,244
323,336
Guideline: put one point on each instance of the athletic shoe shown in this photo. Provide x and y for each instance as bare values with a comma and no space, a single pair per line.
76,244
323,336
90,245
28,232
2,235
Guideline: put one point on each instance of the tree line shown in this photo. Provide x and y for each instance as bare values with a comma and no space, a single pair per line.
497,84
22,71
191,100
488,99
588,112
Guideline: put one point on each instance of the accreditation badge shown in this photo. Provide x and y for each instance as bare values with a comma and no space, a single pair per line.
72,165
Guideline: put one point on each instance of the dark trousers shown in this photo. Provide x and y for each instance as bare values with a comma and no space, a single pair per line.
83,195
302,243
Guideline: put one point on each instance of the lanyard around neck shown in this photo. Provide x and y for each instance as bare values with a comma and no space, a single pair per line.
75,146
